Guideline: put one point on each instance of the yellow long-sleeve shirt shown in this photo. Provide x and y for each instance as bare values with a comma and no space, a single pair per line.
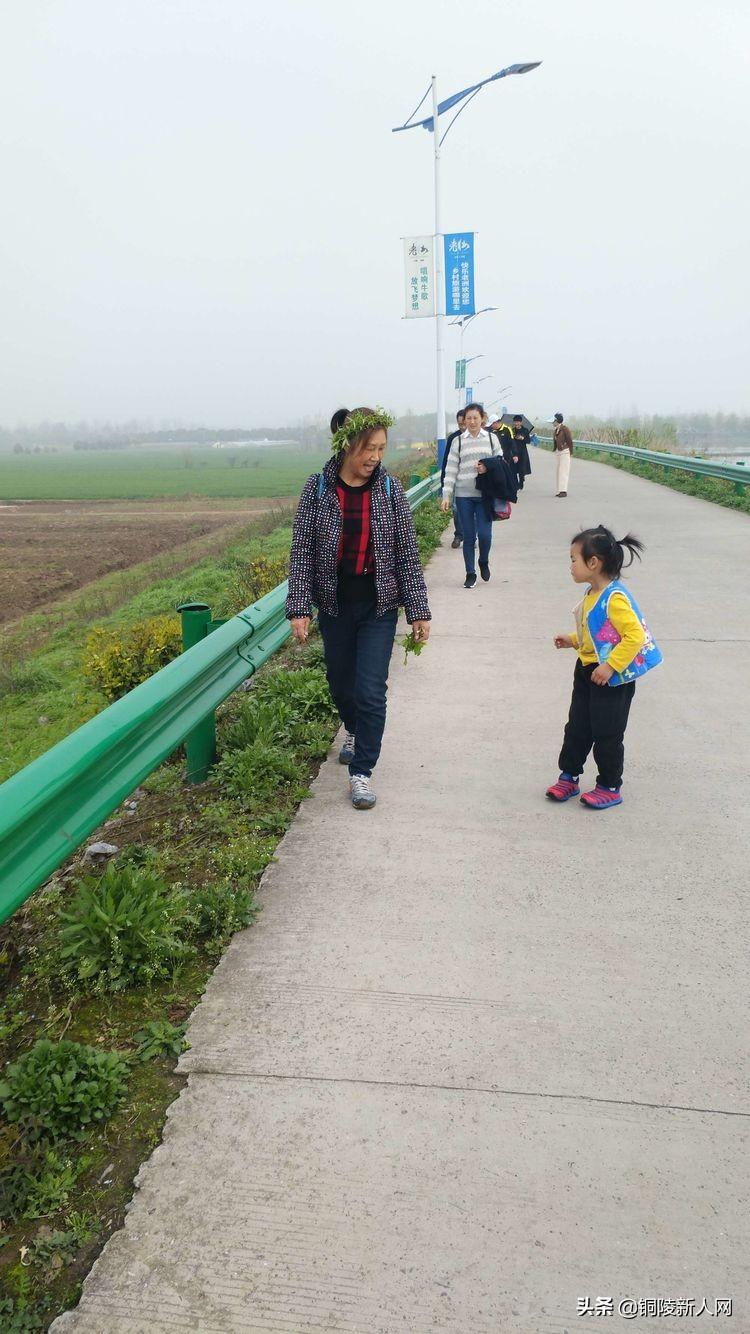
626,623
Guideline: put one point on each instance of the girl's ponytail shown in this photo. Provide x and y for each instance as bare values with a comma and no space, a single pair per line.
631,544
610,550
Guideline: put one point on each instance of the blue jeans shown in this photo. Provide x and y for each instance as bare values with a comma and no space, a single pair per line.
474,524
357,646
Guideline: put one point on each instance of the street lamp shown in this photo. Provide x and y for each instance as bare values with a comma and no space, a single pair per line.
464,321
497,400
467,362
432,125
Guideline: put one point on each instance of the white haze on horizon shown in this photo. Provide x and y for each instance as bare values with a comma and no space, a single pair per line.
203,206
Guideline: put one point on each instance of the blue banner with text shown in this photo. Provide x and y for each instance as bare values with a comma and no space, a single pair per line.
459,273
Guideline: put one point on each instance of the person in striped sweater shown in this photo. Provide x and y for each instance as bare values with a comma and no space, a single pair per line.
460,482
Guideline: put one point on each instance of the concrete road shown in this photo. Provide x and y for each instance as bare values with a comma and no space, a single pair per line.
481,1063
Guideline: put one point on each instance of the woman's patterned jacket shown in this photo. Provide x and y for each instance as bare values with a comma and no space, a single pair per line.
313,562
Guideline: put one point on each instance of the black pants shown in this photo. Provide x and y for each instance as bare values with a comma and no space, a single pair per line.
598,717
357,646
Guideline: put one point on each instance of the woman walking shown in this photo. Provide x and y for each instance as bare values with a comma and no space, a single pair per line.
354,556
460,481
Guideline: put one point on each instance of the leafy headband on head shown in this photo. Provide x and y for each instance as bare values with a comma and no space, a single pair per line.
357,423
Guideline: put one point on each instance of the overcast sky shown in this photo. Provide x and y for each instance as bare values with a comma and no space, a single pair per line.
203,203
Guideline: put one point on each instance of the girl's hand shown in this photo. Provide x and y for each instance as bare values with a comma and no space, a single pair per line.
421,631
445,505
602,674
563,641
300,627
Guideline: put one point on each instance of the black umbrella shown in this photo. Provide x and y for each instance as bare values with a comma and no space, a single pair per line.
507,420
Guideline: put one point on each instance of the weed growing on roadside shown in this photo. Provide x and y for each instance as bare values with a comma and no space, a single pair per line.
217,912
160,1038
254,775
59,1090
39,1184
121,929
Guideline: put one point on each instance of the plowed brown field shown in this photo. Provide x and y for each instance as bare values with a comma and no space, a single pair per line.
51,548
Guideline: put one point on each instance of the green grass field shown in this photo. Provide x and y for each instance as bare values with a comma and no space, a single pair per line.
146,473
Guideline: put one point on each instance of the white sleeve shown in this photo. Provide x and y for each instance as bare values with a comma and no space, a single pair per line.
451,471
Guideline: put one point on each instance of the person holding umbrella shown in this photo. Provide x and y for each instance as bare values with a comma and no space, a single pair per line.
521,438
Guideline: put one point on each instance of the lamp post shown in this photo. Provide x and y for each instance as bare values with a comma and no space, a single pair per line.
463,321
432,125
467,387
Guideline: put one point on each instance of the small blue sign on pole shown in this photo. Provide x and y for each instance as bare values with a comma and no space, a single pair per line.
469,395
459,273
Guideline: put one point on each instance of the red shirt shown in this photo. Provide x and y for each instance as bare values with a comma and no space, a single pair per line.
355,547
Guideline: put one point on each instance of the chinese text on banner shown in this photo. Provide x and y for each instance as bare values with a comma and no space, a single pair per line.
459,273
419,273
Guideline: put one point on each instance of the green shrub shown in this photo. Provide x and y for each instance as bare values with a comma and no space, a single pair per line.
121,929
429,523
251,580
62,1089
116,662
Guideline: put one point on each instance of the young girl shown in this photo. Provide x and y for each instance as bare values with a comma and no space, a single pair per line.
614,648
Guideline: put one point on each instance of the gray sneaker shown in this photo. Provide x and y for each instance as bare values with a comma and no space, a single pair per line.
363,798
346,754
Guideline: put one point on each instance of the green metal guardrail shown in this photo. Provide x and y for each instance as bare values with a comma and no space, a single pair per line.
727,472
51,806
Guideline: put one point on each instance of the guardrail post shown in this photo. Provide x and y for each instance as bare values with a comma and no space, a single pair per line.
200,744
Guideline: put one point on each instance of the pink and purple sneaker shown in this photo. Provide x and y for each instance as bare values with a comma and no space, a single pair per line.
601,798
565,788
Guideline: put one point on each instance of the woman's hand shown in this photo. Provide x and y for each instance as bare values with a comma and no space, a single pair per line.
563,641
445,505
300,628
421,631
602,674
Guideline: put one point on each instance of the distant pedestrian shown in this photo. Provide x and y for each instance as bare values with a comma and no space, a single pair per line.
521,438
563,445
505,436
460,420
354,556
460,482
614,648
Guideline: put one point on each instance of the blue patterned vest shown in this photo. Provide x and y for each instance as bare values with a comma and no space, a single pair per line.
604,637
